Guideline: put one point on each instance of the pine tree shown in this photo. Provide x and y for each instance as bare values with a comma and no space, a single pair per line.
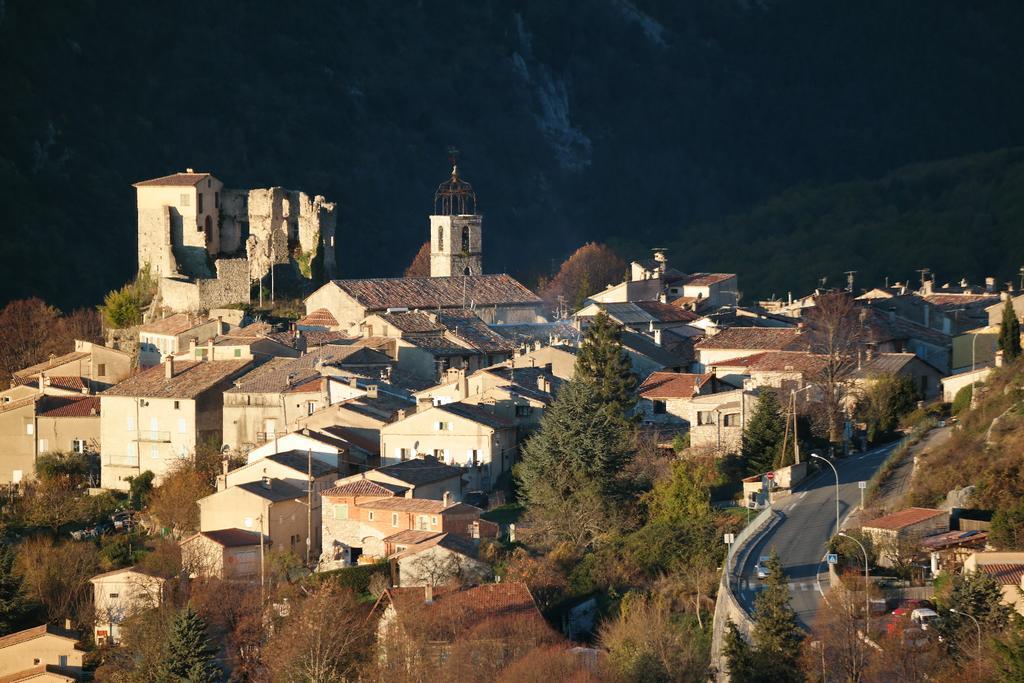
1009,333
602,360
12,595
189,654
738,654
764,433
980,595
777,635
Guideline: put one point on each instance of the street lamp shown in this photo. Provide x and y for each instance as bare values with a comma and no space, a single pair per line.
976,623
825,460
867,594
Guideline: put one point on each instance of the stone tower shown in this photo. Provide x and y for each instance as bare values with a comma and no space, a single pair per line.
456,238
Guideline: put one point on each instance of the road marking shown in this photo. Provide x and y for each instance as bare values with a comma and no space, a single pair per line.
801,495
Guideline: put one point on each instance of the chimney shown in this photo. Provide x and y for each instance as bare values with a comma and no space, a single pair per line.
353,382
168,367
869,352
990,285
657,337
663,298
428,594
189,170
209,349
1003,296
544,384
192,341
463,383
220,324
371,391
42,383
423,403
446,499
401,414
67,624
266,483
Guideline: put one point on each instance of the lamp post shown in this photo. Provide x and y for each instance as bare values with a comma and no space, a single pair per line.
867,595
825,460
977,624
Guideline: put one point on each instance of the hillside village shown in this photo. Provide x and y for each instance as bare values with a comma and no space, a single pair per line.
255,449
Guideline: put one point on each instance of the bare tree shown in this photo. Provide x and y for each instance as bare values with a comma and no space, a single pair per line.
839,632
834,332
174,503
57,575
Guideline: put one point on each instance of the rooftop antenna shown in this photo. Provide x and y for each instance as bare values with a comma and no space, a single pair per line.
849,279
1022,277
924,272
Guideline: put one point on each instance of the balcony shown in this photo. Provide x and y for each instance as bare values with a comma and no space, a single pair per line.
152,437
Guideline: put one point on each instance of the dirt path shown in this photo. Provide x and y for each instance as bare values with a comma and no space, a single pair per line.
893,491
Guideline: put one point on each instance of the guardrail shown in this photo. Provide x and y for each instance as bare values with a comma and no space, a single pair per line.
727,608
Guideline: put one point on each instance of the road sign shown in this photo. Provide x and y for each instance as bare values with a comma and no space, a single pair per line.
832,558
770,476
862,484
729,539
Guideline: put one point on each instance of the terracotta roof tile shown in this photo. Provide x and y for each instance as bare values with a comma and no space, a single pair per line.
411,537
477,414
321,317
787,361
172,325
230,538
361,487
66,382
660,385
378,294
34,370
190,379
469,328
420,471
61,406
412,322
459,613
754,339
1005,573
174,180
36,632
667,313
422,505
903,518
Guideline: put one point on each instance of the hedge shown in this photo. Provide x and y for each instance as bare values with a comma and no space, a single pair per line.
357,579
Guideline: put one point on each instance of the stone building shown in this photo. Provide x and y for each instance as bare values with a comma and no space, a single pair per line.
207,244
456,230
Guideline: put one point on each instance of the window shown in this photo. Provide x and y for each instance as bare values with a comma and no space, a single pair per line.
465,238
181,425
184,200
177,405
704,417
439,454
341,512
423,523
394,519
731,420
131,423
402,454
238,353
154,452
101,370
659,407
30,428
199,202
78,445
433,521
473,457
370,515
310,407
44,446
62,660
524,411
444,426
113,595
216,200
440,239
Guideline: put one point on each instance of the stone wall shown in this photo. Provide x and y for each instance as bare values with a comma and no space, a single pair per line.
231,286
281,220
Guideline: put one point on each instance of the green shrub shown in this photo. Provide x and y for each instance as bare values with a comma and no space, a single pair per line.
357,579
962,400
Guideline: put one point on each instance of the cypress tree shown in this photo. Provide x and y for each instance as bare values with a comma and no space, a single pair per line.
1009,333
12,595
602,360
189,651
777,635
739,656
764,433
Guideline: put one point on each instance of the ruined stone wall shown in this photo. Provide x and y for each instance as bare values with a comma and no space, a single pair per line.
155,241
234,221
231,286
281,220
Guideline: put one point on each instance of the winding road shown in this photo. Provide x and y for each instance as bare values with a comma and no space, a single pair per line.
808,522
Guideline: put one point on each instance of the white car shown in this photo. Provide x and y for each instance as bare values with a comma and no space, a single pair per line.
923,617
761,568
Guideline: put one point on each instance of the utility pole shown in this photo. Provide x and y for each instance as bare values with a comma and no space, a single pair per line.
309,503
262,570
849,280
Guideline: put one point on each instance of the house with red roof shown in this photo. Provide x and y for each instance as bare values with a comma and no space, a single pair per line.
898,535
42,653
664,396
1007,568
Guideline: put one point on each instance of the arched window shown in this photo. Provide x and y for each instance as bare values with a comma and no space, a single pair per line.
440,239
465,271
465,238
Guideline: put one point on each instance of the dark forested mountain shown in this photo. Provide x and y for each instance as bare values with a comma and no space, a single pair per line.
635,121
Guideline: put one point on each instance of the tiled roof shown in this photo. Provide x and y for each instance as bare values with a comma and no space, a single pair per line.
740,362
881,327
1006,574
439,345
190,379
174,180
363,487
956,300
411,536
321,317
355,436
884,364
66,382
420,505
279,374
279,490
953,539
420,471
706,279
429,293
231,538
20,403
456,613
69,406
310,386
412,322
903,518
754,338
299,461
322,337
448,541
645,346
172,325
476,414
34,370
527,377
534,332
468,327
35,632
673,385
52,672
666,313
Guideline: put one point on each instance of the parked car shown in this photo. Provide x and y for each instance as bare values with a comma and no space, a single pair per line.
923,617
761,568
123,520
83,534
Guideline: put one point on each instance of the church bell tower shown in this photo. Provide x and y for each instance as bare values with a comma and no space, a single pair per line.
456,239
